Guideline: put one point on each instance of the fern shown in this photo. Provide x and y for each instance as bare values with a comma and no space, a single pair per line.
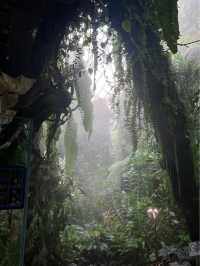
118,168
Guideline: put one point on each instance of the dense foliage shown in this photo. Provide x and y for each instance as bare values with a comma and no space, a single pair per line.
99,168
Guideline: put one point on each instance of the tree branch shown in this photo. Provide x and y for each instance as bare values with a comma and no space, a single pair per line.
186,44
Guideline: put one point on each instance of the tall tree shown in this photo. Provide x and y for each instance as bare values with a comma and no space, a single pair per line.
139,29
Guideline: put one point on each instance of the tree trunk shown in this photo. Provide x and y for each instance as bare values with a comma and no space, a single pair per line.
156,88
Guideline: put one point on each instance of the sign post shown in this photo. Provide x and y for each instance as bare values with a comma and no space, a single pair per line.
12,187
14,181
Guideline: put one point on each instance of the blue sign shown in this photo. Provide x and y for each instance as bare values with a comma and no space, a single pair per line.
12,187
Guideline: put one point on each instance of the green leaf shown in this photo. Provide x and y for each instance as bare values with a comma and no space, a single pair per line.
126,25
